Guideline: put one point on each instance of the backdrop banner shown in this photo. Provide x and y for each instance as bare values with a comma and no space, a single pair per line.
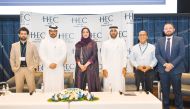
69,30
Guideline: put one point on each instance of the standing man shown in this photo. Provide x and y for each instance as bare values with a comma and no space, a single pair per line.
143,59
114,61
24,61
170,51
53,52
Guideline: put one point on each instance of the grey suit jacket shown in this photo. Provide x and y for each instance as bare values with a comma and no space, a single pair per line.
32,57
177,54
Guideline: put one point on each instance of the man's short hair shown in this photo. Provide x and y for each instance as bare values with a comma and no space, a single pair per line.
169,24
23,29
144,31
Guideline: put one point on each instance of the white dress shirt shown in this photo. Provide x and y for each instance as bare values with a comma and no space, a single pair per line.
143,55
171,40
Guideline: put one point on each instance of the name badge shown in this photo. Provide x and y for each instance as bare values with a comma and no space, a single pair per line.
22,58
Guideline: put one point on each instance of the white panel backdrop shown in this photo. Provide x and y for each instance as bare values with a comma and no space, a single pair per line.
69,29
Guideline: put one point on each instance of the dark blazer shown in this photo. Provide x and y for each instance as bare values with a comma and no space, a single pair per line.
177,54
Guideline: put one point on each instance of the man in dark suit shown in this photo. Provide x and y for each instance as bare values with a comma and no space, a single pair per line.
170,51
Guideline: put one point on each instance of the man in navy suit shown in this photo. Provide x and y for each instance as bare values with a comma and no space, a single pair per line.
170,52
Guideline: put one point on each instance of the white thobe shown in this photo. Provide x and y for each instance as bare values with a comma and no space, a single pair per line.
53,50
114,59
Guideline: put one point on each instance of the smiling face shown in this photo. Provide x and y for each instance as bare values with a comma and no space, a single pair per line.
169,29
113,33
143,37
85,33
53,33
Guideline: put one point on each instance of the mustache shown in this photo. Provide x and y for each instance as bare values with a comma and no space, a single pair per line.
23,39
52,34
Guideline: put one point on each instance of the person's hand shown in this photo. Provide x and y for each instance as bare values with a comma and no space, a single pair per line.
124,72
141,68
168,67
167,70
105,73
52,65
82,67
147,68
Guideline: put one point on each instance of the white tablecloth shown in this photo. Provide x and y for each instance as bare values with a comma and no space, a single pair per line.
25,101
107,100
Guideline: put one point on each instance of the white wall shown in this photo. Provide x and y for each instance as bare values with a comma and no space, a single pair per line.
169,7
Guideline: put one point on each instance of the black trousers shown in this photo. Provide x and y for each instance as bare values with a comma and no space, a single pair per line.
146,79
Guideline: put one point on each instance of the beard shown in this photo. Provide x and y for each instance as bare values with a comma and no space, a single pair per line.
169,33
23,38
113,36
53,35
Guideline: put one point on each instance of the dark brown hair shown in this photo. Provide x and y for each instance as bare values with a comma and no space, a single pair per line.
23,29
169,24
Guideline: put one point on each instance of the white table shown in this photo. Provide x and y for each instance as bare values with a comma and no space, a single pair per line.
25,101
107,100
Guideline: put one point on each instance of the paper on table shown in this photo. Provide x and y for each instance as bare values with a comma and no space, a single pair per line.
129,94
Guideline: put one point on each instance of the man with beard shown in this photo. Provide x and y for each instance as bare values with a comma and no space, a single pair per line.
24,61
52,53
170,51
114,61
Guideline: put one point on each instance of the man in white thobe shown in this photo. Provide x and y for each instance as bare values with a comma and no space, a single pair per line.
53,52
114,61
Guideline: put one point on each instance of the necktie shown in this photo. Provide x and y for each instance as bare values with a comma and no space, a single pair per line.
168,50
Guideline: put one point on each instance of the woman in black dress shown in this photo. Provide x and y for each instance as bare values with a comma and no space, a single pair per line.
87,67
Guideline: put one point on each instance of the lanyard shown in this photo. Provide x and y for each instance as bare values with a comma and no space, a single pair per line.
142,52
